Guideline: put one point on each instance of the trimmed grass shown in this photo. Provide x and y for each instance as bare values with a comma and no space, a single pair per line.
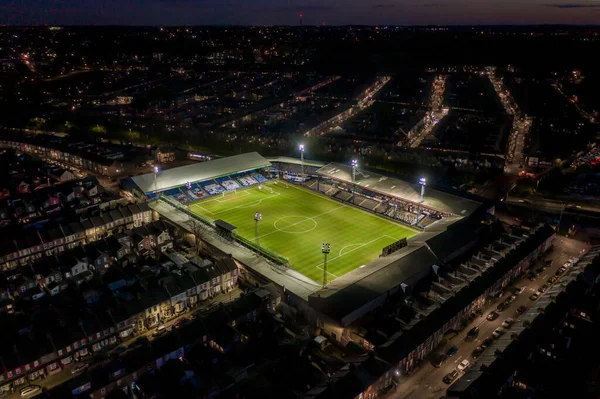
295,222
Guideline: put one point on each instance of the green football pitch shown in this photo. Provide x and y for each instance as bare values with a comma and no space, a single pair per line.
296,221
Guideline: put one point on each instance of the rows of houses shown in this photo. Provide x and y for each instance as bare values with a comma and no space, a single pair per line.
201,349
102,160
99,294
25,245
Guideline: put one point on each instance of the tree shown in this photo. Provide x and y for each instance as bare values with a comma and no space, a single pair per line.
198,229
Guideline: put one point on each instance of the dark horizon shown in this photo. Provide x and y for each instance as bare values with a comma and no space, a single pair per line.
271,12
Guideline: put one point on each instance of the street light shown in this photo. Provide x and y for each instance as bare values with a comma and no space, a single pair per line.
325,249
257,218
301,148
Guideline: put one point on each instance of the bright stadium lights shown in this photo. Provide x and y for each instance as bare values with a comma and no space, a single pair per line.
257,218
155,173
325,249
422,182
301,148
354,166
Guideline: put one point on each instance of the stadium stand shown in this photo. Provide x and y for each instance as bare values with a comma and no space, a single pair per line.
259,178
343,195
212,187
228,183
247,180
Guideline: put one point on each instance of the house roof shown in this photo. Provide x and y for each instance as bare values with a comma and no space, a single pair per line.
199,172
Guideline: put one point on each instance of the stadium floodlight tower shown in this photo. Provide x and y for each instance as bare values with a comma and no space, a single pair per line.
325,249
257,218
354,166
301,148
422,182
155,174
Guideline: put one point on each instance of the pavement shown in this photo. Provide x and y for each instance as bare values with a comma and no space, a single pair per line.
54,380
426,382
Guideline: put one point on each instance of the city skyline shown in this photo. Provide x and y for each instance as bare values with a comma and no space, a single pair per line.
271,12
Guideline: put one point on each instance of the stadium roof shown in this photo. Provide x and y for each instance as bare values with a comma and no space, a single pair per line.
347,294
393,187
297,161
199,172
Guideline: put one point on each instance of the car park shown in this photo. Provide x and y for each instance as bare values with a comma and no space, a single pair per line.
463,365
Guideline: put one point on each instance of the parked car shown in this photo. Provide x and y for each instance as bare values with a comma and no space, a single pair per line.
543,288
79,367
450,377
510,299
451,351
487,342
30,390
498,332
160,330
518,290
493,316
438,360
508,322
477,352
532,276
521,309
534,296
463,365
181,322
502,306
473,333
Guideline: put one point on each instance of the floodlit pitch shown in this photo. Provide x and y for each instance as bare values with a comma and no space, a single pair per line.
296,221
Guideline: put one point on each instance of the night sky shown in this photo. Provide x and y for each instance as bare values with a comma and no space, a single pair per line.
285,12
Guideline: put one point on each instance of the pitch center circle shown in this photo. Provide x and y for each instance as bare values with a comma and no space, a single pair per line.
295,224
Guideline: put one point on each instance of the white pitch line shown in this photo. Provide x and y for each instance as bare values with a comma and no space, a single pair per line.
248,205
334,275
352,250
302,221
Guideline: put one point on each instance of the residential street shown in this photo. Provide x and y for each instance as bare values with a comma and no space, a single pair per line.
65,375
426,383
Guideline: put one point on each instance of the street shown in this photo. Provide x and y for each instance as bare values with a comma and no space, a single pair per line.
426,382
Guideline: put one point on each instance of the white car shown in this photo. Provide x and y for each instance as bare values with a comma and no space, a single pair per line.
508,322
30,390
463,365
498,332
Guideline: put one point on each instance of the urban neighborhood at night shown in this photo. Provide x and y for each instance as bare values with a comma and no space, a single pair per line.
303,200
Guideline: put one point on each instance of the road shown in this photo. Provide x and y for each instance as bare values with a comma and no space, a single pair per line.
426,382
364,101
517,139
436,101
205,307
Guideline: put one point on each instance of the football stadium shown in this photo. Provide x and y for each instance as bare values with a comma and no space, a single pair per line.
334,237
295,223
